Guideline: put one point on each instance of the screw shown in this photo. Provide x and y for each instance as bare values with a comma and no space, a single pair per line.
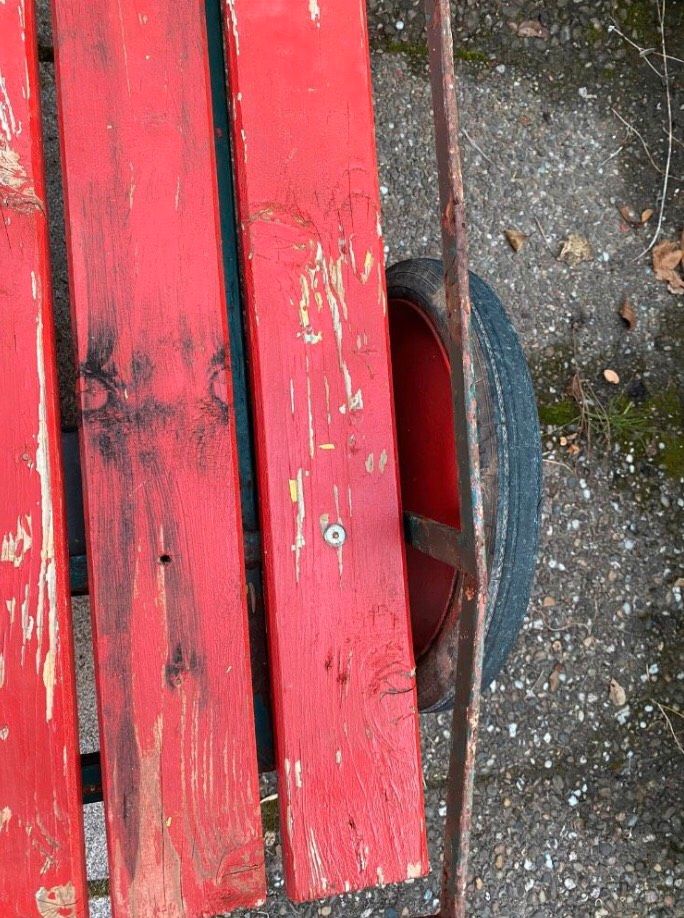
335,535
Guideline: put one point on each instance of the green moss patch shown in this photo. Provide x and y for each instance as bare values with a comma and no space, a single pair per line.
652,429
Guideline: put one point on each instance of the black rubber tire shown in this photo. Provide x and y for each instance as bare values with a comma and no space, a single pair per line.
513,412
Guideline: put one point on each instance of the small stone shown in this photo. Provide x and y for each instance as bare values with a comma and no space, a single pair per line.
617,694
622,716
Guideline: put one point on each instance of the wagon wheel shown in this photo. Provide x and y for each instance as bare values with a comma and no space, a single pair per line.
510,460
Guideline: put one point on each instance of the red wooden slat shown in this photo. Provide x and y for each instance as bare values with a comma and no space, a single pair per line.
42,870
343,670
162,508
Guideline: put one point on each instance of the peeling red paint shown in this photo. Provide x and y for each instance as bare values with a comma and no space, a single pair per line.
41,836
158,454
307,189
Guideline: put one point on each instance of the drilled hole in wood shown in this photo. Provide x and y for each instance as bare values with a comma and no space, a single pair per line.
165,559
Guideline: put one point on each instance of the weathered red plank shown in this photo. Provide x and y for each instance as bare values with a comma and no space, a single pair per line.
42,869
343,670
162,512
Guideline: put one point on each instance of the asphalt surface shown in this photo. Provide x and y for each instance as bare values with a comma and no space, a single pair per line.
578,799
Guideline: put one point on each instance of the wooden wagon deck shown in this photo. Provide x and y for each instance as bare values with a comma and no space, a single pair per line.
169,519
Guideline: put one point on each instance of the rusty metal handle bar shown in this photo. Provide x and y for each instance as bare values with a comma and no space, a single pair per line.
469,546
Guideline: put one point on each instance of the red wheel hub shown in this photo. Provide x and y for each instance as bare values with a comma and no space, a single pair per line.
427,456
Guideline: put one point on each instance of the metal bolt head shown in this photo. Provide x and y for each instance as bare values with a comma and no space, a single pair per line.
335,535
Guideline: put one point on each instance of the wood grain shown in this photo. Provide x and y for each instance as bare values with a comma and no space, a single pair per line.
162,506
342,664
42,870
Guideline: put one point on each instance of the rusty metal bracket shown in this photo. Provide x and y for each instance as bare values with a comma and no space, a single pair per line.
439,541
469,545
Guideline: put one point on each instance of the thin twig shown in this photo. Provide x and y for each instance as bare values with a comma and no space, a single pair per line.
680,143
563,465
578,393
568,626
479,149
668,98
630,127
614,154
643,52
541,230
663,710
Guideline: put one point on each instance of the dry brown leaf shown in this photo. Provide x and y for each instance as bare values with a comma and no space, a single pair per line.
575,249
617,694
530,28
667,256
549,602
554,678
611,376
515,239
575,389
627,314
629,216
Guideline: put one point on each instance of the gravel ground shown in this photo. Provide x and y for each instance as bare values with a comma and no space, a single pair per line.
578,800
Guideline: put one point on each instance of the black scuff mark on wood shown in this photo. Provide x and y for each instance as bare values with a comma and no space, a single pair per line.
142,367
179,666
184,658
113,532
